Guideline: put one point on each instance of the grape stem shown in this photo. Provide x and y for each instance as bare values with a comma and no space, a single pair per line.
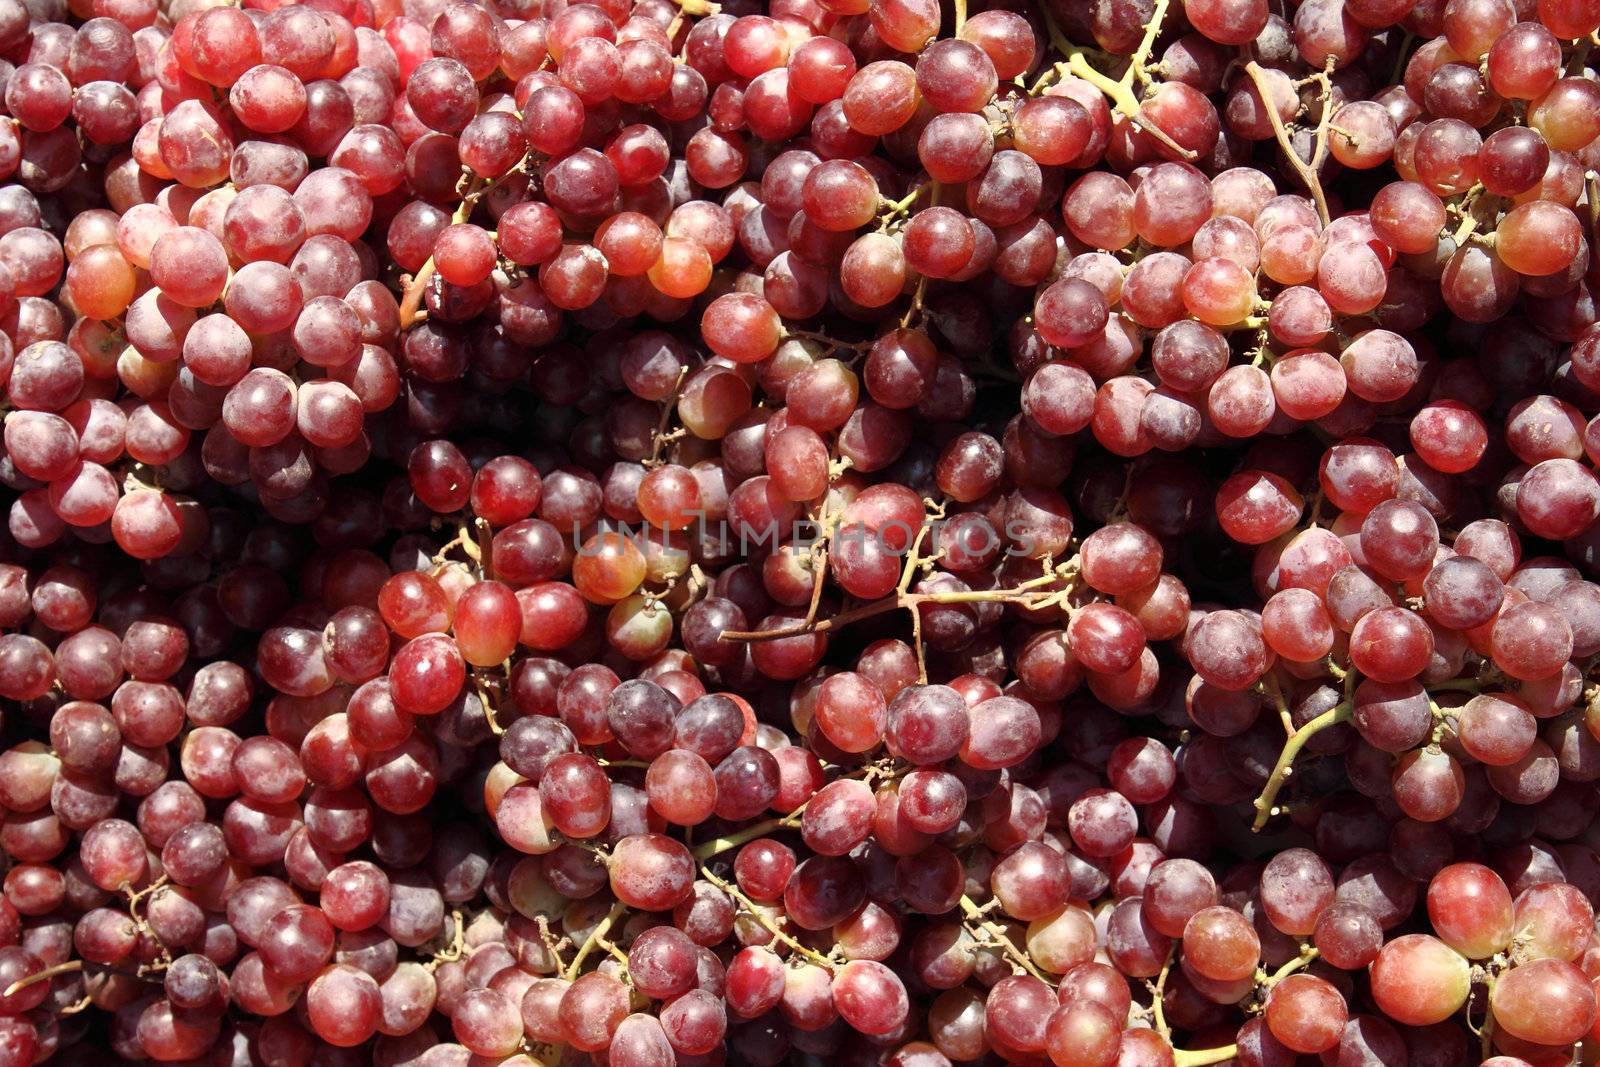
887,770
1059,41
1020,594
1123,100
1120,90
912,602
1308,953
1308,173
1486,1032
1201,1057
43,976
761,829
916,303
915,310
595,937
1141,56
1053,28
1402,55
750,907
488,705
484,535
975,917
668,406
819,559
1472,209
832,342
692,8
819,577
961,16
411,298
473,537
1580,56
135,898
907,575
1592,189
1441,722
893,209
1264,804
902,597
614,952
1157,992
457,947
555,944
1273,691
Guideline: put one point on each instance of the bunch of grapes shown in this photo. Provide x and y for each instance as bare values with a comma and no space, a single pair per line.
898,533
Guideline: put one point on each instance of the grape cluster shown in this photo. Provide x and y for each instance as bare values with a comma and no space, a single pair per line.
660,533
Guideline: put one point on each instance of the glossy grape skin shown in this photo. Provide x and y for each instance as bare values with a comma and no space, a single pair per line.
343,1005
1435,985
870,997
1255,507
1306,1013
649,869
1230,652
297,942
1532,642
852,712
1471,909
1558,989
927,726
1348,936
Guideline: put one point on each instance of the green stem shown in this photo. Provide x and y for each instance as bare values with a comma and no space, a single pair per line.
1265,807
718,845
1124,101
597,935
750,907
895,208
1158,1007
1141,56
1201,1057
1308,174
1122,97
1307,954
882,770
411,299
1402,55
1053,28
1120,90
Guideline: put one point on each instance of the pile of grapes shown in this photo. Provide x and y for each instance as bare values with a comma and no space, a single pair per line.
866,533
